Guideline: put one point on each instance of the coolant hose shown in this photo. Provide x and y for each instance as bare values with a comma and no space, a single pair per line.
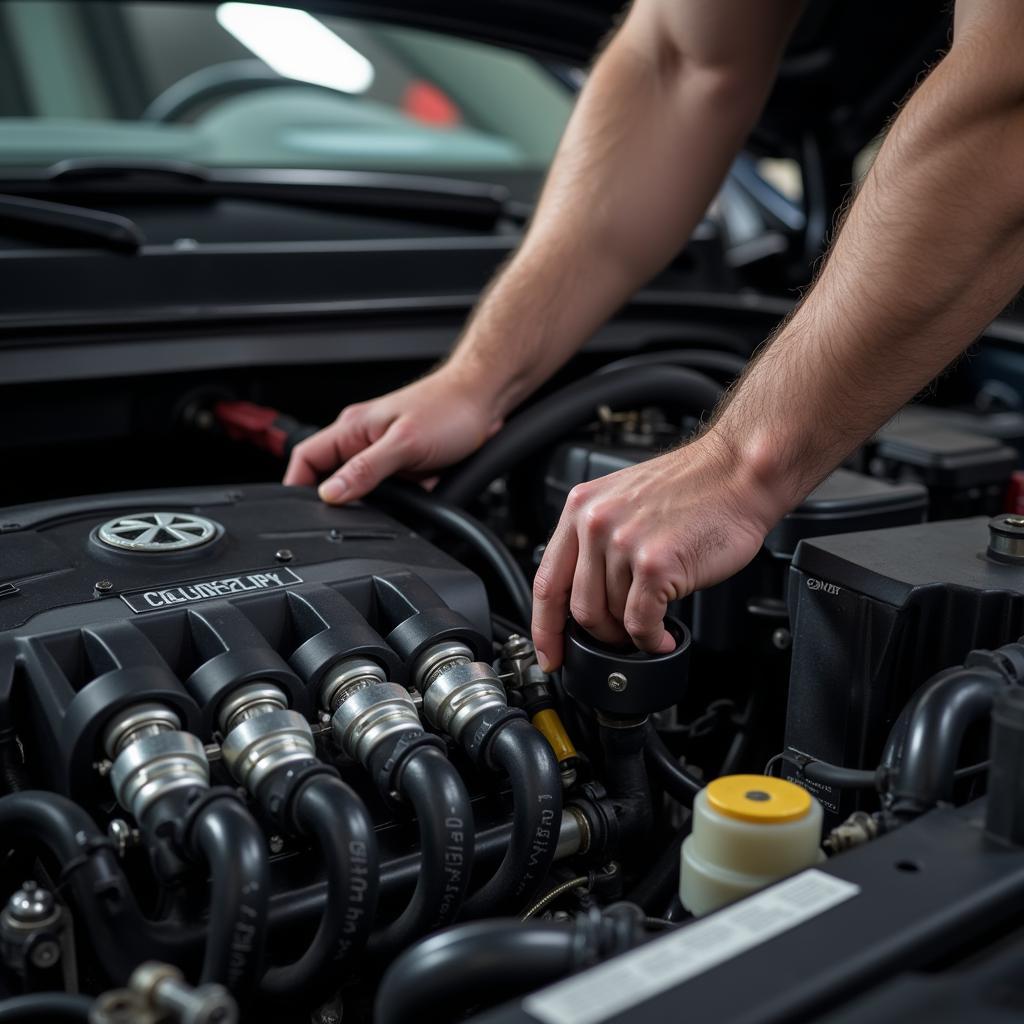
336,819
679,784
413,500
119,936
569,408
227,837
48,1007
625,773
488,961
520,751
444,814
495,959
936,729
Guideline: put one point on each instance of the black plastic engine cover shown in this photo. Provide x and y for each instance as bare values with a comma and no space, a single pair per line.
874,615
282,587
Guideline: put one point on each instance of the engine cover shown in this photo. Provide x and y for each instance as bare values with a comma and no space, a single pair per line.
173,596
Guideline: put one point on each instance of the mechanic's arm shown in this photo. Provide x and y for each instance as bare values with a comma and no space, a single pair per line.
655,129
932,249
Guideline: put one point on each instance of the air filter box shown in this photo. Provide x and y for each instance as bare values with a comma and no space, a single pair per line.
874,615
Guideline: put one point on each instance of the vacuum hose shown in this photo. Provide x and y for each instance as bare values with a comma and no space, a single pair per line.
487,961
331,813
445,815
941,715
572,407
227,837
525,756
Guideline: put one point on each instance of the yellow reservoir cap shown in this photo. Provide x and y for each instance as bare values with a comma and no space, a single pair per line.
761,799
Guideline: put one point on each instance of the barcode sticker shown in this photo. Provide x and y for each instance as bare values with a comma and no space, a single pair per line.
602,992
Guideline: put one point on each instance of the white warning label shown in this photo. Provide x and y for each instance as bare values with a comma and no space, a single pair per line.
602,992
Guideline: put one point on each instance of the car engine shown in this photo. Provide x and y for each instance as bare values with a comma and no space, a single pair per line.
266,759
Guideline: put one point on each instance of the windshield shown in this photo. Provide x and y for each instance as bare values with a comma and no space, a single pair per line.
237,84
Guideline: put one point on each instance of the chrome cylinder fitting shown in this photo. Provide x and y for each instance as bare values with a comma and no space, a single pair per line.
152,757
262,735
369,714
365,708
347,676
455,688
437,659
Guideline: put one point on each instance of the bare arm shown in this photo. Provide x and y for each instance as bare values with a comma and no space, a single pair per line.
667,106
932,249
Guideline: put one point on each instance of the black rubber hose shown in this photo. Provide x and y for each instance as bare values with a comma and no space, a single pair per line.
492,959
839,776
445,817
330,812
941,717
46,1006
655,889
226,835
527,759
119,936
416,503
625,776
559,413
679,785
726,365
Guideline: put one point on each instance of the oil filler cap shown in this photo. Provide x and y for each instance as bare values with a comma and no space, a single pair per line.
621,680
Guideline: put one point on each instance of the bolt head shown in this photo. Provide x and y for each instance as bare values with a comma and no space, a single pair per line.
276,844
782,638
283,555
45,954
103,586
617,682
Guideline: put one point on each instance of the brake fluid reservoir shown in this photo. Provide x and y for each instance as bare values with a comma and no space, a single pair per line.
748,831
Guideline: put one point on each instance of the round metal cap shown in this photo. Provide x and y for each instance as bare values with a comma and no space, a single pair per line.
1006,538
158,532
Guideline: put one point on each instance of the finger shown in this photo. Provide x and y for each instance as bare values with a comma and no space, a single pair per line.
312,459
588,601
551,588
644,617
618,578
361,473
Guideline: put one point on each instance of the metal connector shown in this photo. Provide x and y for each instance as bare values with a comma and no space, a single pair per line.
455,688
262,735
367,715
157,993
347,676
152,757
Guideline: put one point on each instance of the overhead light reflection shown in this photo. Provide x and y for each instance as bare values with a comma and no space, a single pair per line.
297,45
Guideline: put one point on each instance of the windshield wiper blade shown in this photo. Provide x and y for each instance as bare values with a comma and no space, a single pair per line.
451,200
108,229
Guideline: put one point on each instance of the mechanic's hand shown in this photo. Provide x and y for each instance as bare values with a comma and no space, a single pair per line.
630,543
416,430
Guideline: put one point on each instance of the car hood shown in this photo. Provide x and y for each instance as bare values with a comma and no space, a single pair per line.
845,69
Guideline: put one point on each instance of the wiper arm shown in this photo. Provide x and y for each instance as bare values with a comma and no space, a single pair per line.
451,200
109,229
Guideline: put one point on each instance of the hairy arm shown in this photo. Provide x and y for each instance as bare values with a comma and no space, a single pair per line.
666,109
656,127
931,250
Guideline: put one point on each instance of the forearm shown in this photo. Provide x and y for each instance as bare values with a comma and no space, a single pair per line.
932,249
652,136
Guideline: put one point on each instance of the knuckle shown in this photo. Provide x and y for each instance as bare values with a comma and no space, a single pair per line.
578,497
349,415
620,542
595,518
650,563
584,614
543,589
359,472
404,435
638,627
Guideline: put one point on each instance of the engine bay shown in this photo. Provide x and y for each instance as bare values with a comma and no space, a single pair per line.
267,759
